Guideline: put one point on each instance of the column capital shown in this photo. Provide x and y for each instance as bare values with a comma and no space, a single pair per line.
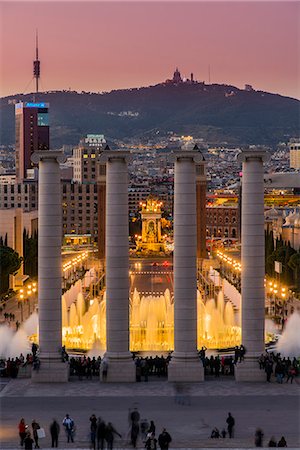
48,155
256,154
186,154
110,155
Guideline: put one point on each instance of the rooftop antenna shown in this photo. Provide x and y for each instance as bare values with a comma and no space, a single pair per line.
36,64
209,74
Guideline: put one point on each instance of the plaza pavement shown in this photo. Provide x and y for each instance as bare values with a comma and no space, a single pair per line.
273,407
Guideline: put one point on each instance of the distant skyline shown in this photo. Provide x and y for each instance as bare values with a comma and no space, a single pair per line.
100,46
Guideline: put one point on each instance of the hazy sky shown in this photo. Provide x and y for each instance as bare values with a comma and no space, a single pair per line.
99,46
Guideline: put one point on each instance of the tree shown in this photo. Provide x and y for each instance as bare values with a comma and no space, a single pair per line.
10,263
294,264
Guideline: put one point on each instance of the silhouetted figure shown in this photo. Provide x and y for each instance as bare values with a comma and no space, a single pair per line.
230,425
215,434
164,440
54,431
259,436
282,442
272,442
101,431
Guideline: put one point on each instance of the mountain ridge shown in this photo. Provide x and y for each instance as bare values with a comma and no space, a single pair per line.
214,112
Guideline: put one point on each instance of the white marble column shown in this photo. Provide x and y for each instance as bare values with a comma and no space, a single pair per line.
118,357
253,264
185,364
52,369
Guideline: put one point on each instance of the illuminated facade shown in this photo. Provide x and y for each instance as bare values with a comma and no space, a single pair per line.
151,239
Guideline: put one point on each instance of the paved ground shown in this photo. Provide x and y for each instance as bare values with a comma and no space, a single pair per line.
151,276
273,407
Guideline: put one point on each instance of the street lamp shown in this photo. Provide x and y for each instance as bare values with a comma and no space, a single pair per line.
20,302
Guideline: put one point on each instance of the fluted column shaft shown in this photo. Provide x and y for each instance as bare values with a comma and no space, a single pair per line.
49,258
253,264
117,259
185,245
185,364
253,256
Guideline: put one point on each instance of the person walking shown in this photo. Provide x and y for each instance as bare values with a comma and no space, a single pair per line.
259,436
35,427
54,432
135,429
68,423
230,425
101,430
22,431
109,435
93,420
164,440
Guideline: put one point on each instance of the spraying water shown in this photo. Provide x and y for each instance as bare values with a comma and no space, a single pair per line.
289,342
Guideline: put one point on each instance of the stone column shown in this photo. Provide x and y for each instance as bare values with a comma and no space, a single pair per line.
119,359
101,191
52,369
185,364
201,208
253,264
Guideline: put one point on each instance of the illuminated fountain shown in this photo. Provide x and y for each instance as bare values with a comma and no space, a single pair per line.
151,323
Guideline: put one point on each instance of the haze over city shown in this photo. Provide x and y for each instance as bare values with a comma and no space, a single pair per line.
100,46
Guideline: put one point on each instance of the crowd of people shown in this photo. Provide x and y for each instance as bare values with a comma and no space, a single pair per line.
259,440
284,369
258,437
147,366
85,367
102,434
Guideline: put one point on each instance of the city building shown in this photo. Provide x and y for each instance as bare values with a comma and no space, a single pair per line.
222,221
79,203
19,195
32,133
294,146
85,158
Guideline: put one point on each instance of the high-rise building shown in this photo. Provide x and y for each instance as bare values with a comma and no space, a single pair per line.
85,158
32,133
294,146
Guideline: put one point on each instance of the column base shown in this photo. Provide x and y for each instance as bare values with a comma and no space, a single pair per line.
185,368
120,368
248,370
51,371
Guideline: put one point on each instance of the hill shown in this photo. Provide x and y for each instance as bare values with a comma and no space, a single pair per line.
216,113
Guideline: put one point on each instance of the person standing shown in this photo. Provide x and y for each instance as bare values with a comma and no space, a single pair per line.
164,440
259,436
54,432
35,427
230,425
22,431
68,423
93,420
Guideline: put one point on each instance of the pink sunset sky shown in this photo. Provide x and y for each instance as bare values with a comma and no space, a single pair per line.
99,46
